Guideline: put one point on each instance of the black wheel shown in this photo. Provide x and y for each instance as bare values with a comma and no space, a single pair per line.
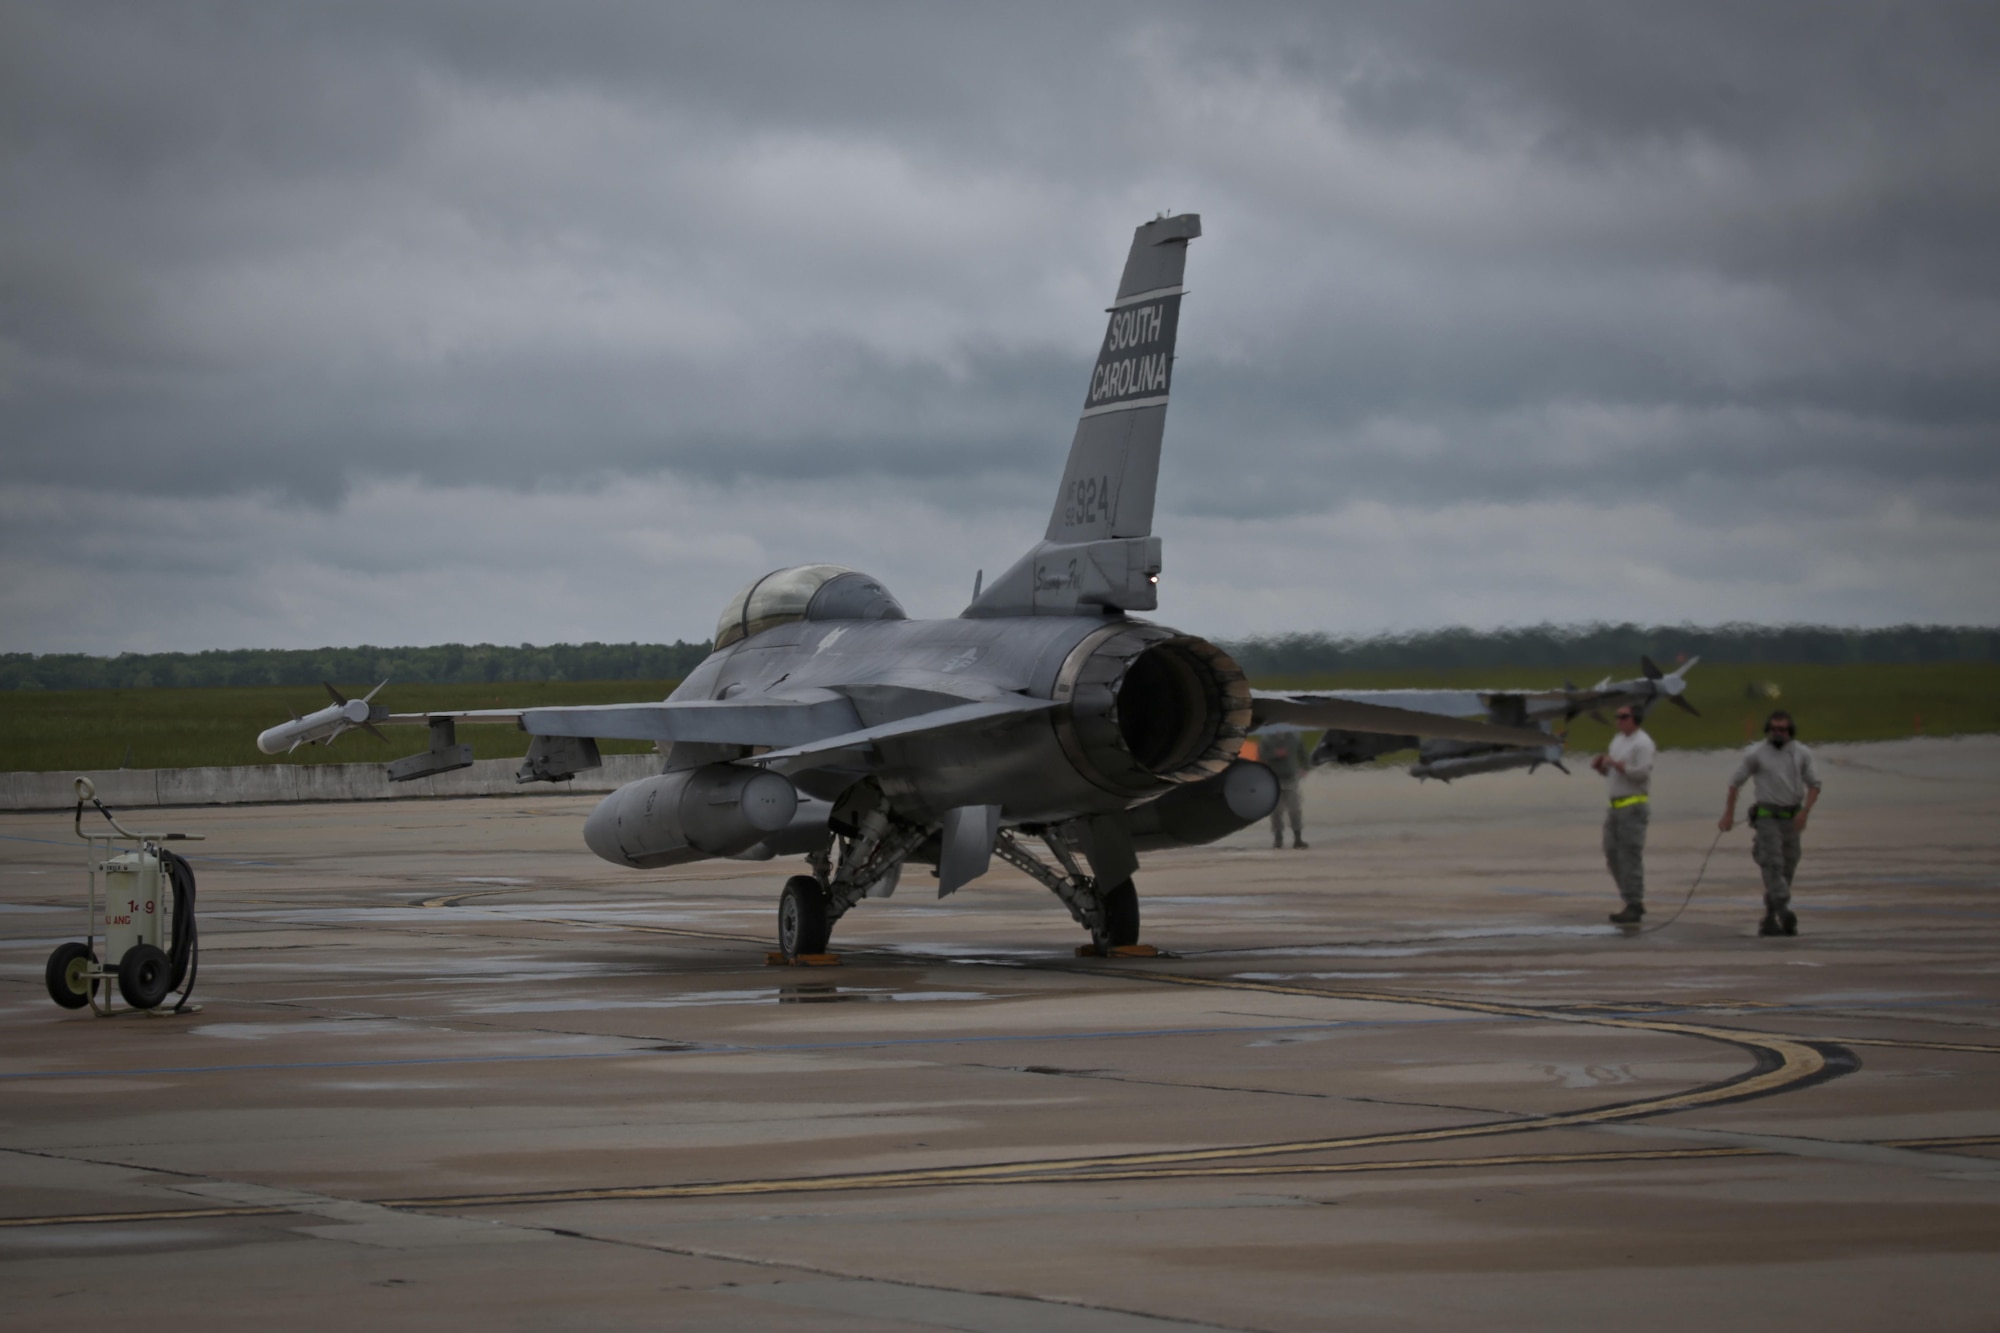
144,976
802,924
68,975
1121,915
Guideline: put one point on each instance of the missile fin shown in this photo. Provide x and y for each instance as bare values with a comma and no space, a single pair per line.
377,690
369,727
338,697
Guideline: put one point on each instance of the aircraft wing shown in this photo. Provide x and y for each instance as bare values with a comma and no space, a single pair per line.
804,733
775,722
1361,712
1461,703
966,717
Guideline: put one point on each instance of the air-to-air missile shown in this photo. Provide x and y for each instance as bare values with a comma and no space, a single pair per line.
343,714
1641,693
1445,759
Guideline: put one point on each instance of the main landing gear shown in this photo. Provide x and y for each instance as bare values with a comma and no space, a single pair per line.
1109,912
867,844
803,925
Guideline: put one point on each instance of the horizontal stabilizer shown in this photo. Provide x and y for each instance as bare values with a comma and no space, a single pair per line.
969,716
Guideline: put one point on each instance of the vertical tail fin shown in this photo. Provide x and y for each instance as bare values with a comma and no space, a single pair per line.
1099,552
1114,459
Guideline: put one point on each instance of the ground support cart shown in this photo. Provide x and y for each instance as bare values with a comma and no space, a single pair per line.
140,905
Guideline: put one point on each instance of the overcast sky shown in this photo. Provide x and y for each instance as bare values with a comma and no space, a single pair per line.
418,322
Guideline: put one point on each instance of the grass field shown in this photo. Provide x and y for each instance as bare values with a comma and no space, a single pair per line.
160,728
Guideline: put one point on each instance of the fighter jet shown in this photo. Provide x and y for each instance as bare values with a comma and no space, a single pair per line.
1445,758
1048,724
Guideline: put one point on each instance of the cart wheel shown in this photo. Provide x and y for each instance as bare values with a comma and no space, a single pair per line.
144,976
68,975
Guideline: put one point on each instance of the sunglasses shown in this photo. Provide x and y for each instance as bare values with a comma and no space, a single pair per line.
1627,717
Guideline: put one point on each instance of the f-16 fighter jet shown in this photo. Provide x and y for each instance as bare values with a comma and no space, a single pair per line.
1445,758
1047,724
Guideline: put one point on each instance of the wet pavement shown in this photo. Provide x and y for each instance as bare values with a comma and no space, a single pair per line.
448,1065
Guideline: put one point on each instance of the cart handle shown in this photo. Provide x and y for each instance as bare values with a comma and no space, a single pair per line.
86,790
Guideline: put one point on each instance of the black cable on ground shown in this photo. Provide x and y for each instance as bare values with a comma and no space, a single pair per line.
183,960
1647,930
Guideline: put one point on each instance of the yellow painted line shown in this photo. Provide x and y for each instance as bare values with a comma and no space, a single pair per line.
151,1215
1796,1057
1797,1062
458,899
1894,1043
949,1176
824,1184
1403,1164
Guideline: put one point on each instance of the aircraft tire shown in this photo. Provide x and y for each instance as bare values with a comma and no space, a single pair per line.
66,975
1121,915
145,975
802,924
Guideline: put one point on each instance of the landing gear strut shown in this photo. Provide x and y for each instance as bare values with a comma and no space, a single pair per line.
872,843
1110,914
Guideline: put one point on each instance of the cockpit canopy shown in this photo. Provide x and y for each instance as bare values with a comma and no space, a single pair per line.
805,592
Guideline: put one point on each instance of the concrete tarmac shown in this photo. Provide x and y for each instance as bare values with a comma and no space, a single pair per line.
450,1067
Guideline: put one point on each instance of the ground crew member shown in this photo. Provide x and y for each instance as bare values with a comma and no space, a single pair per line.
1787,790
1284,753
1627,767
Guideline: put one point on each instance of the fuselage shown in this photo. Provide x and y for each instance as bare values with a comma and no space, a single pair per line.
1037,767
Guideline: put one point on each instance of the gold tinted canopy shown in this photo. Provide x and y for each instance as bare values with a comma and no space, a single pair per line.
803,592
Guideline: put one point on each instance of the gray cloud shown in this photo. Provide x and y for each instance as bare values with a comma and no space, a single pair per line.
1488,256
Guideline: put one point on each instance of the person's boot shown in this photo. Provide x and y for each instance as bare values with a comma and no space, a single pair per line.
1629,915
1770,925
1298,843
1277,842
1787,922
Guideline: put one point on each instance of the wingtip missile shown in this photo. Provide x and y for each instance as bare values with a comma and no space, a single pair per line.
324,726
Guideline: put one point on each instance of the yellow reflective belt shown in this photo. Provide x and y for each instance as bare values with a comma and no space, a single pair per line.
1624,801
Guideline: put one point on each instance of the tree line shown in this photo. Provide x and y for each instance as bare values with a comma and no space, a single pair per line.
442,664
1575,647
1553,647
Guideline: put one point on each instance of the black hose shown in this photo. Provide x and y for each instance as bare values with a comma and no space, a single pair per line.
183,959
1698,877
